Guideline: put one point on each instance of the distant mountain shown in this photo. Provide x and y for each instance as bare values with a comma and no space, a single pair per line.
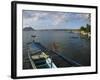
28,29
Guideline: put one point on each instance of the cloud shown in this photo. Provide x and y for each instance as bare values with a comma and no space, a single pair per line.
34,14
84,16
58,18
52,18
32,17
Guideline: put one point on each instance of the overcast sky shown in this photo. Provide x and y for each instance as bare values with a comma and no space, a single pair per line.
54,20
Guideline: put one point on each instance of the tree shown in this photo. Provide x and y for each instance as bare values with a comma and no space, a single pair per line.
82,28
88,28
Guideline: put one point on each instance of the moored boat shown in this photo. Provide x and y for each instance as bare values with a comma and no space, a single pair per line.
41,57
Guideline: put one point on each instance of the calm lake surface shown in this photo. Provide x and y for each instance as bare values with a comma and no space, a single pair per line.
68,44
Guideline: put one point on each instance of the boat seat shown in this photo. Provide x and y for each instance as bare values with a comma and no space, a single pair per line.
40,62
43,66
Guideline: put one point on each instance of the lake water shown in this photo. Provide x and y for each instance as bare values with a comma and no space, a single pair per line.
68,44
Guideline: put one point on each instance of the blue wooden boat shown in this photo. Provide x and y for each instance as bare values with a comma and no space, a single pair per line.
38,58
41,57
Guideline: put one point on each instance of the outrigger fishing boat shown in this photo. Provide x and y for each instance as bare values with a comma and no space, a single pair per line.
41,57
